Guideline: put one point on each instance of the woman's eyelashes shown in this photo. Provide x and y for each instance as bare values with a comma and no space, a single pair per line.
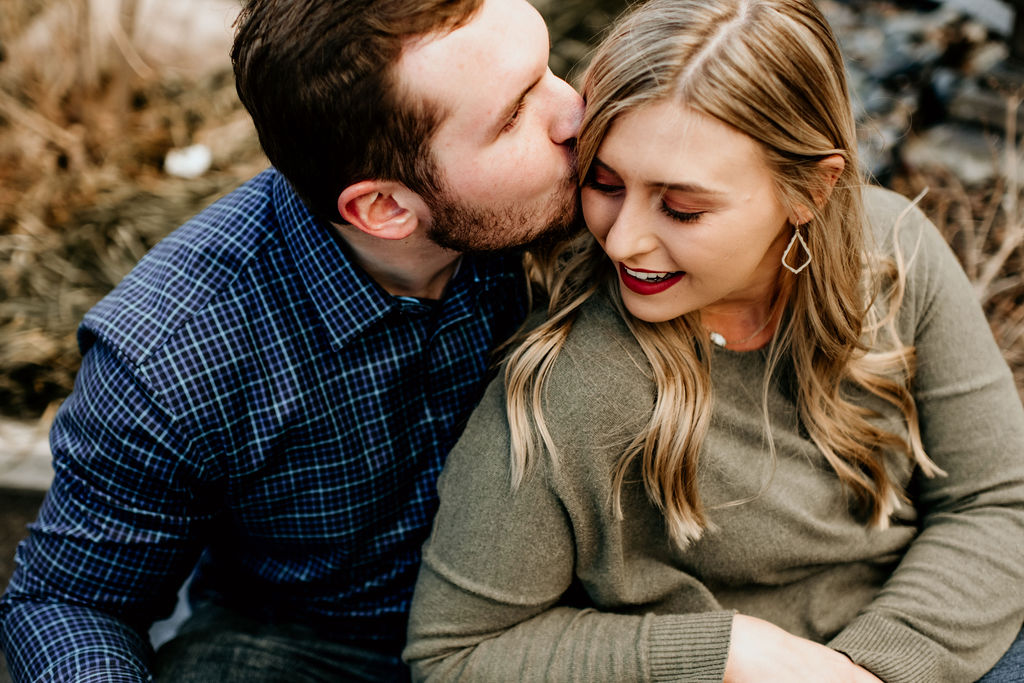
612,187
681,216
603,180
603,188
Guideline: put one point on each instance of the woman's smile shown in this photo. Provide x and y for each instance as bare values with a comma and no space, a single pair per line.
648,282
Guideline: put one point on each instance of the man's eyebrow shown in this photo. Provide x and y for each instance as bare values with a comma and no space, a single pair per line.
692,188
510,108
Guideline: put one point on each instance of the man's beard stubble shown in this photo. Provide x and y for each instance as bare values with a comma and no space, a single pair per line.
469,228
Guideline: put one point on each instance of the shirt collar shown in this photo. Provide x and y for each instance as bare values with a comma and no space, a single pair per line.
347,299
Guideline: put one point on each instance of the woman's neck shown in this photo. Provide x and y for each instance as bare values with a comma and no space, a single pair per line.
743,325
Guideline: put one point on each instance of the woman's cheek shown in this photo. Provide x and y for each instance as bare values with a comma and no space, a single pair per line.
599,212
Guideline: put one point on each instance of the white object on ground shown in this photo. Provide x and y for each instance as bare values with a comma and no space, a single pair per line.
188,162
25,461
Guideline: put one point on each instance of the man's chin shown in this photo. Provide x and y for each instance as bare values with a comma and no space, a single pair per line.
555,234
485,232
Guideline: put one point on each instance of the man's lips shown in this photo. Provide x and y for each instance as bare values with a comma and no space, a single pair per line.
648,282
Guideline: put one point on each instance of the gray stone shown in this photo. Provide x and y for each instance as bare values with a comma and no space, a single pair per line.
995,15
969,154
879,140
24,455
983,106
986,58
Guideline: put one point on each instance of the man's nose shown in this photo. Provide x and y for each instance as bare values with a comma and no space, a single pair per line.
568,112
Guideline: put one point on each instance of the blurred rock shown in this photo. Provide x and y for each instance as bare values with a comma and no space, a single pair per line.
188,162
967,153
25,456
913,66
995,15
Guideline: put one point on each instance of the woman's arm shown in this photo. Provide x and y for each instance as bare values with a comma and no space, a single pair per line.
490,601
956,600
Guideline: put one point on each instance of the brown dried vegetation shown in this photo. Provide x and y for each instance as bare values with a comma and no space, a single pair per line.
85,124
86,121
985,227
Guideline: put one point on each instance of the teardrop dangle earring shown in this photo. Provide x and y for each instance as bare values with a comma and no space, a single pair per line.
807,252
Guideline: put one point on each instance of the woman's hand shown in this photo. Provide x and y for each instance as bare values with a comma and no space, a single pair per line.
761,651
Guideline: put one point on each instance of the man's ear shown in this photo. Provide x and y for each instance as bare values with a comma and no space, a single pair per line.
831,168
379,208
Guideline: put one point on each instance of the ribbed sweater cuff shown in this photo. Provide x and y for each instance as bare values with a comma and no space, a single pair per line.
890,650
689,647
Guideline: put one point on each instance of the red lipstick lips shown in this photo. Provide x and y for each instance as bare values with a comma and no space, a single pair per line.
647,287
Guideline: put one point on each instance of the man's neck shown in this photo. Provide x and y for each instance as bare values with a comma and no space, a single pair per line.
415,266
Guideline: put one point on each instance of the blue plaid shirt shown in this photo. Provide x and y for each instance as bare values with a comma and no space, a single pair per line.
251,400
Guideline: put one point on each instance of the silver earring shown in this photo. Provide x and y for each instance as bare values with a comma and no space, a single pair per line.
789,248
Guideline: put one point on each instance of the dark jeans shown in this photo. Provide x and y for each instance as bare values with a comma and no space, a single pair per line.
219,646
1009,669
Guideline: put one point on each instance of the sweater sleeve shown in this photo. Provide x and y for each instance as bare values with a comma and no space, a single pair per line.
491,605
955,602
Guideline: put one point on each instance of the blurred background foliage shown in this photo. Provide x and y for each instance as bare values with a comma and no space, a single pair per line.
94,95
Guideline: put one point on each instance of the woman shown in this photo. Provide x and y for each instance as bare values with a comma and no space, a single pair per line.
764,433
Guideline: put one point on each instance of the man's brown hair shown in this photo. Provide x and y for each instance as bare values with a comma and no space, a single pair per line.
317,77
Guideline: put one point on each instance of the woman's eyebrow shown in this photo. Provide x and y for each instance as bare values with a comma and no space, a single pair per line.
692,188
688,187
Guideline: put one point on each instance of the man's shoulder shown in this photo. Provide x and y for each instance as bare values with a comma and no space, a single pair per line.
199,265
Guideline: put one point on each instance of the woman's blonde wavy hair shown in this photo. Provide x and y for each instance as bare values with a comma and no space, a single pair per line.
772,70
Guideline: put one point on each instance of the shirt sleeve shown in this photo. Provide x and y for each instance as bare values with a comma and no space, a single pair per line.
491,600
115,538
956,600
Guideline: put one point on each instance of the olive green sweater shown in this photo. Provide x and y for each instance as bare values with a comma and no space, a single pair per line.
546,584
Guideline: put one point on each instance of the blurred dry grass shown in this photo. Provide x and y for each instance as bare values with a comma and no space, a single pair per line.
86,121
985,227
85,124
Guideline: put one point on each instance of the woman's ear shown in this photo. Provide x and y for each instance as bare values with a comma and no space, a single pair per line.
379,208
831,168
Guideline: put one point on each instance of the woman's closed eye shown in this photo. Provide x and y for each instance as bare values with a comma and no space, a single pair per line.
604,188
681,216
683,206
608,184
603,182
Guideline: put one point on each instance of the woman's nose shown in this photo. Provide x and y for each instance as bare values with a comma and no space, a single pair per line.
629,235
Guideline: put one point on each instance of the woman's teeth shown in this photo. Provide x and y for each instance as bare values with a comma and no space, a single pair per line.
647,277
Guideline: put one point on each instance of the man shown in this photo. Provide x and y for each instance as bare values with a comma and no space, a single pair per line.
272,391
